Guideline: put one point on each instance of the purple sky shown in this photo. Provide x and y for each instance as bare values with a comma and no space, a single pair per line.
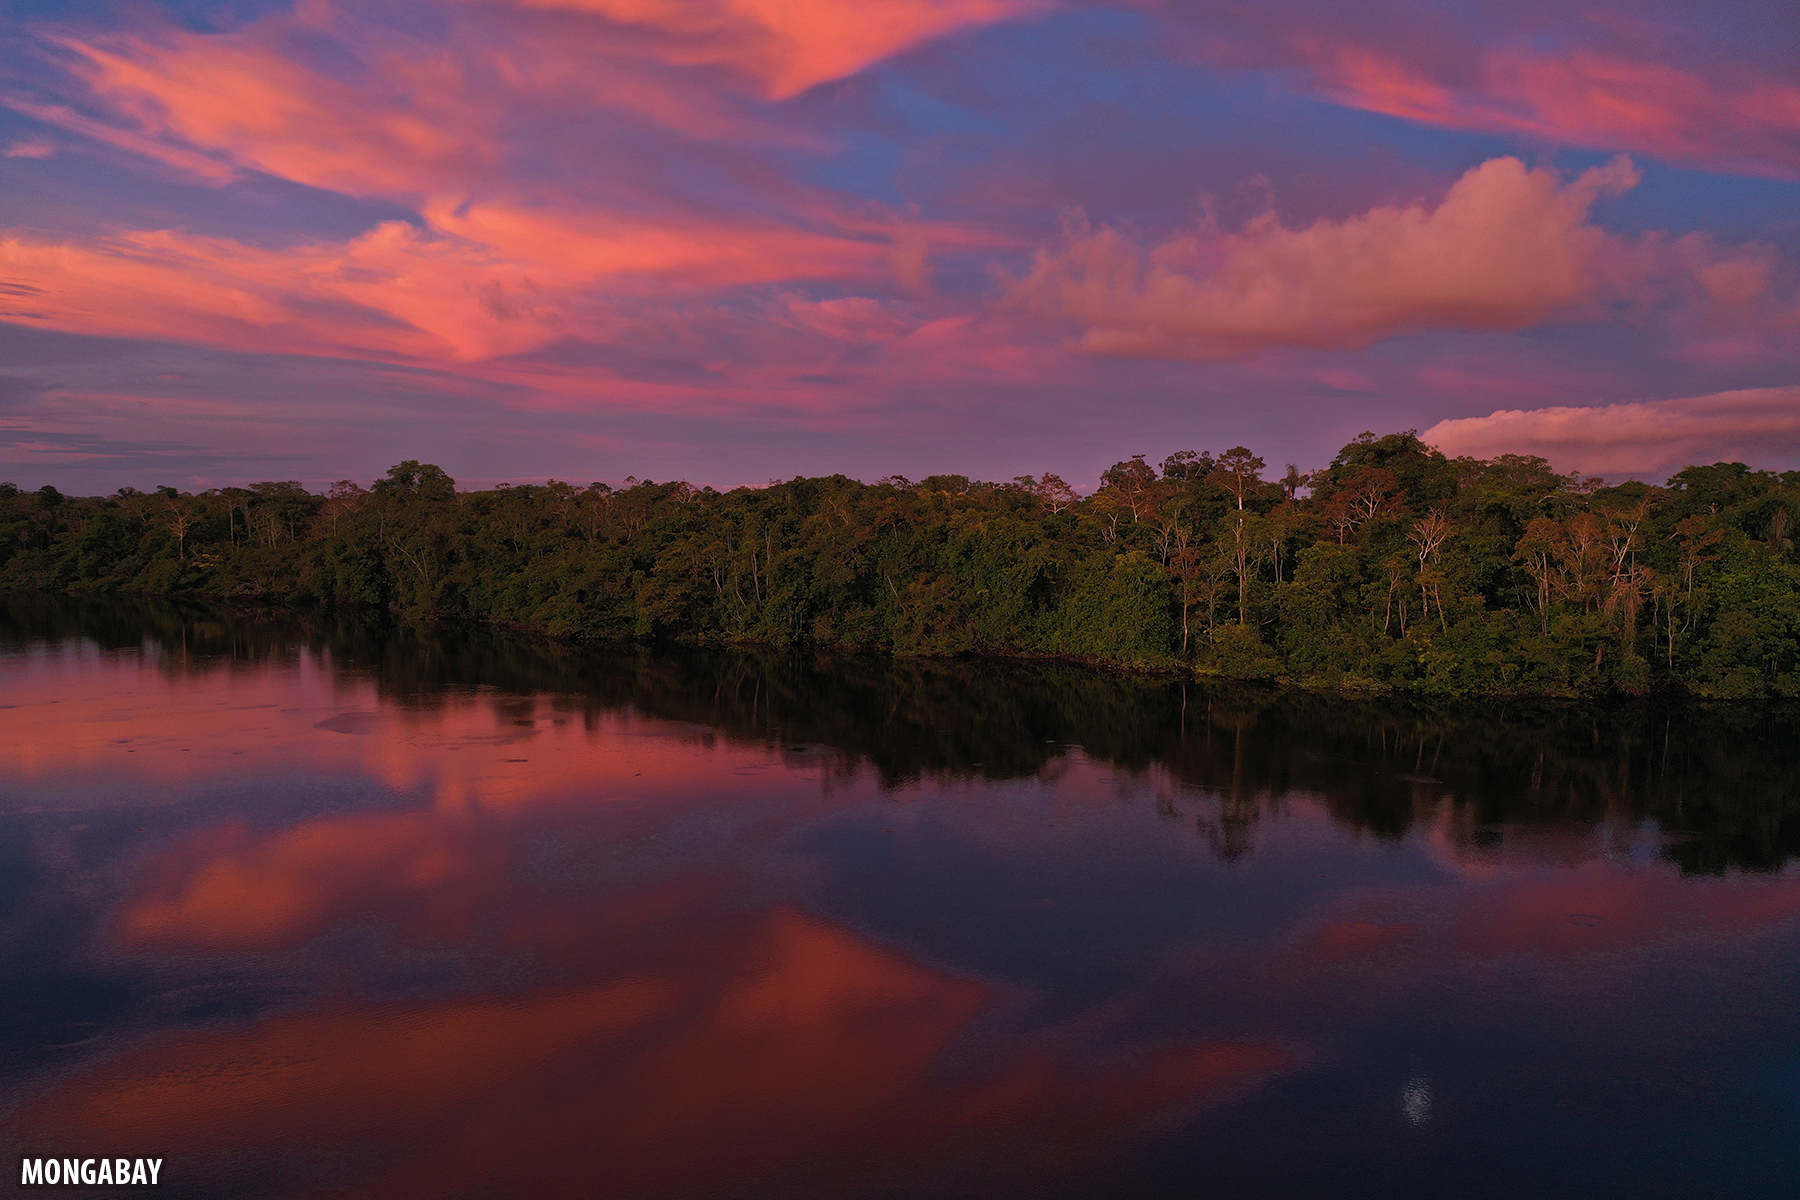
734,240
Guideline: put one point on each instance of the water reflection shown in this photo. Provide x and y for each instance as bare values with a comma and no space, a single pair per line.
307,907
1722,782
779,1054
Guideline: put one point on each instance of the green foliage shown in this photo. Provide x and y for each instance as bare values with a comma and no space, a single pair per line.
1118,610
1237,652
1401,569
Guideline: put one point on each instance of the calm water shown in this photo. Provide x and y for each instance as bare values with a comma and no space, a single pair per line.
307,909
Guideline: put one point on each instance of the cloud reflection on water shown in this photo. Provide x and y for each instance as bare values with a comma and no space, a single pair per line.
780,1052
658,926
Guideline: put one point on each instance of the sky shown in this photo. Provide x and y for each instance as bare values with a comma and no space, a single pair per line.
739,240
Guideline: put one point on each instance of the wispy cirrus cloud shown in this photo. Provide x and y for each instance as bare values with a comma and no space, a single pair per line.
782,47
30,148
1658,79
1588,98
674,193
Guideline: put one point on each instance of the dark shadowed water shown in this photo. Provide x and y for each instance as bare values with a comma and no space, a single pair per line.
306,908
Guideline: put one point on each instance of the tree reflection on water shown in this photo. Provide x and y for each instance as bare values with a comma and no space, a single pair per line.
309,904
1722,781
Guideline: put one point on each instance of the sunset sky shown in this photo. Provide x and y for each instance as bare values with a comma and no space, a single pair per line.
734,240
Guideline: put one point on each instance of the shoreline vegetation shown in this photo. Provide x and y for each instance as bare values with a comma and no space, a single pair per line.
1394,568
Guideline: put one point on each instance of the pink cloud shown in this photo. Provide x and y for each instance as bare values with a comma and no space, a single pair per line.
182,159
1507,248
1588,98
859,319
476,284
1590,78
1760,426
670,246
399,114
394,291
506,257
788,46
387,115
30,148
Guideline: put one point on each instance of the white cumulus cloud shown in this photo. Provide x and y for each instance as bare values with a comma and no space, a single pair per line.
1759,426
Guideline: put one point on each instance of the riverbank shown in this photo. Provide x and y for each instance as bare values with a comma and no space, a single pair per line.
1266,672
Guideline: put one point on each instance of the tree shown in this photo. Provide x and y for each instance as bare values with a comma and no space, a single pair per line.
236,500
1285,522
1369,493
593,511
1200,579
1429,533
1245,550
1165,520
136,503
1625,598
284,509
1698,538
1397,592
1536,553
1420,472
1187,466
178,518
1129,483
1584,558
342,498
1238,472
1780,524
413,479
1053,493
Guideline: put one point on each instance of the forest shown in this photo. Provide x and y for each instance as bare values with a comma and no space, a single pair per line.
1392,568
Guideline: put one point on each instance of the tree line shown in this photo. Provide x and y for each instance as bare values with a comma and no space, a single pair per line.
1392,567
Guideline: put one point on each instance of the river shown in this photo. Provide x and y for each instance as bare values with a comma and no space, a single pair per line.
308,906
